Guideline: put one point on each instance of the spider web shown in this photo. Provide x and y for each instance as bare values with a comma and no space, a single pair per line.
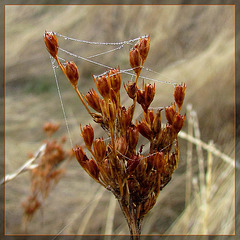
93,59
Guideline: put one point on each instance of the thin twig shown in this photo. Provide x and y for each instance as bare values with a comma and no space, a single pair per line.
209,148
26,166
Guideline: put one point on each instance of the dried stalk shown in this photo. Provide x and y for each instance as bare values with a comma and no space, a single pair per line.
29,165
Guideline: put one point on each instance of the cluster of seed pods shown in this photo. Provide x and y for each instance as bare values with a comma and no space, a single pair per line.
135,179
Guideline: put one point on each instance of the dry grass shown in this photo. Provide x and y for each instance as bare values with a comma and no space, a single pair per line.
185,47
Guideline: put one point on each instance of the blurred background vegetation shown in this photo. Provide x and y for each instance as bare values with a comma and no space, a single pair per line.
191,44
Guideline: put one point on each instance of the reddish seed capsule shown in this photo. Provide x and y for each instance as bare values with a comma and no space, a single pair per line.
144,129
93,168
93,100
81,156
115,79
144,46
141,96
149,94
99,149
133,137
121,145
126,117
131,89
179,122
179,95
159,161
112,110
146,96
135,60
170,113
88,135
157,122
132,164
149,117
51,43
72,73
103,85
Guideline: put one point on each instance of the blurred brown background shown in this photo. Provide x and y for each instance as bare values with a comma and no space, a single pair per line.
191,44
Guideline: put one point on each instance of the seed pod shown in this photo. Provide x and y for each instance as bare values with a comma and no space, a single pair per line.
171,134
179,95
149,94
145,130
132,164
149,117
99,149
115,79
156,127
103,85
112,110
106,167
146,96
133,136
72,73
159,161
143,46
150,163
141,96
81,156
114,97
88,135
179,122
51,43
121,145
93,169
173,160
131,89
93,100
126,118
170,113
135,60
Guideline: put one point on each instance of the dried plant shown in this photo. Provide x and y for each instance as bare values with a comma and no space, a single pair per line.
47,173
133,178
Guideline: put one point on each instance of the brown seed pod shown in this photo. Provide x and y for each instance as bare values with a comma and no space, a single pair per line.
99,149
144,46
179,94
135,60
80,156
93,100
170,113
115,79
87,135
72,73
145,130
51,43
103,85
131,89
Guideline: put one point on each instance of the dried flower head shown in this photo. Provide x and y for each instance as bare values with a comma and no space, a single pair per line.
118,164
47,173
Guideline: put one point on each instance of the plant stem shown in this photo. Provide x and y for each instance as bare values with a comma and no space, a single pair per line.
130,213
